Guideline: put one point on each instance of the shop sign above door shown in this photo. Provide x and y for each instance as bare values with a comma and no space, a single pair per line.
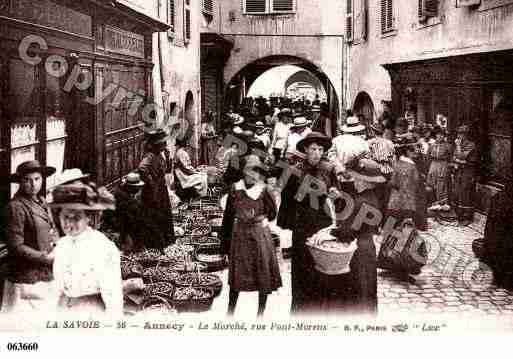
47,13
123,42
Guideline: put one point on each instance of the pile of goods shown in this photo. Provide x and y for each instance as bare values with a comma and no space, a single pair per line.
330,255
175,278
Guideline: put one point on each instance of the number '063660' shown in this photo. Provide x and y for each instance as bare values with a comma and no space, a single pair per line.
22,346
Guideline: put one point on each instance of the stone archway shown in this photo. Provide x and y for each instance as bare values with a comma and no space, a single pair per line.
364,108
236,88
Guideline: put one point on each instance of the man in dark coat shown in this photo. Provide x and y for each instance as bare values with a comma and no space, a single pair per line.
306,216
155,196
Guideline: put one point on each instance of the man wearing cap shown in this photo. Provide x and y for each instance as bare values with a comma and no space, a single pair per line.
464,163
298,131
129,212
280,133
31,236
350,145
303,210
155,196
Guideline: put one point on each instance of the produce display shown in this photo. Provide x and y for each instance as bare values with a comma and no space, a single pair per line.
188,293
177,251
195,280
131,269
159,288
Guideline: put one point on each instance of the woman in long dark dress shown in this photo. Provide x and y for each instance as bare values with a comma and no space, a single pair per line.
438,176
356,291
247,237
305,216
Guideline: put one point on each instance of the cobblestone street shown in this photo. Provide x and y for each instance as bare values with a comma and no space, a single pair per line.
449,284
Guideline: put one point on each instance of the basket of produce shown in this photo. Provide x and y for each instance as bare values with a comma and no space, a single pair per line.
157,303
210,255
331,256
190,299
130,269
179,251
182,267
159,274
163,289
147,257
200,280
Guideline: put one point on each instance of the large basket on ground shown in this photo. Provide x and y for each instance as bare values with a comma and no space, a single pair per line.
157,303
332,257
210,255
160,274
200,280
195,300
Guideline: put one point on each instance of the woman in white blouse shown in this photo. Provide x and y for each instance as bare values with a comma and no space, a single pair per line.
87,264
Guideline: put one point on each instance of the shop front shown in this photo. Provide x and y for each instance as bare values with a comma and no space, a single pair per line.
74,81
473,89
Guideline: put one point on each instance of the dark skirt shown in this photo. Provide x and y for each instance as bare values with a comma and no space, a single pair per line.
253,263
464,188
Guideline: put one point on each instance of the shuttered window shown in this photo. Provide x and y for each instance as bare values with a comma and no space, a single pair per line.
187,21
282,5
208,7
171,14
387,16
349,20
427,9
268,6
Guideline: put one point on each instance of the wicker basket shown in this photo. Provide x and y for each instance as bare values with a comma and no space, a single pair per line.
130,269
160,274
213,282
211,249
163,289
332,262
157,303
148,257
194,305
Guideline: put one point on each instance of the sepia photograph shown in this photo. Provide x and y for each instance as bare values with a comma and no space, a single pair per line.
255,168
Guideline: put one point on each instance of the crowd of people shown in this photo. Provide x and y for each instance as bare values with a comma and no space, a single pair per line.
286,163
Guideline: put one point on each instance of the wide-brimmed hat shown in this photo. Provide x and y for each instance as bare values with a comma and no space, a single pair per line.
367,170
259,124
133,179
314,137
70,175
462,129
156,136
378,128
30,167
300,121
353,125
83,197
316,108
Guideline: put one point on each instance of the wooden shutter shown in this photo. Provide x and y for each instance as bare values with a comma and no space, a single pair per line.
282,5
349,20
187,21
387,16
208,7
255,6
171,14
427,9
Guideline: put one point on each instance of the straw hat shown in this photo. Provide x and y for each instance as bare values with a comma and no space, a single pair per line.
70,175
313,137
316,108
259,124
133,179
30,167
81,196
353,125
300,121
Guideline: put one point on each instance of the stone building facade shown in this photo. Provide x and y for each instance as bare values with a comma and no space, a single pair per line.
438,59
